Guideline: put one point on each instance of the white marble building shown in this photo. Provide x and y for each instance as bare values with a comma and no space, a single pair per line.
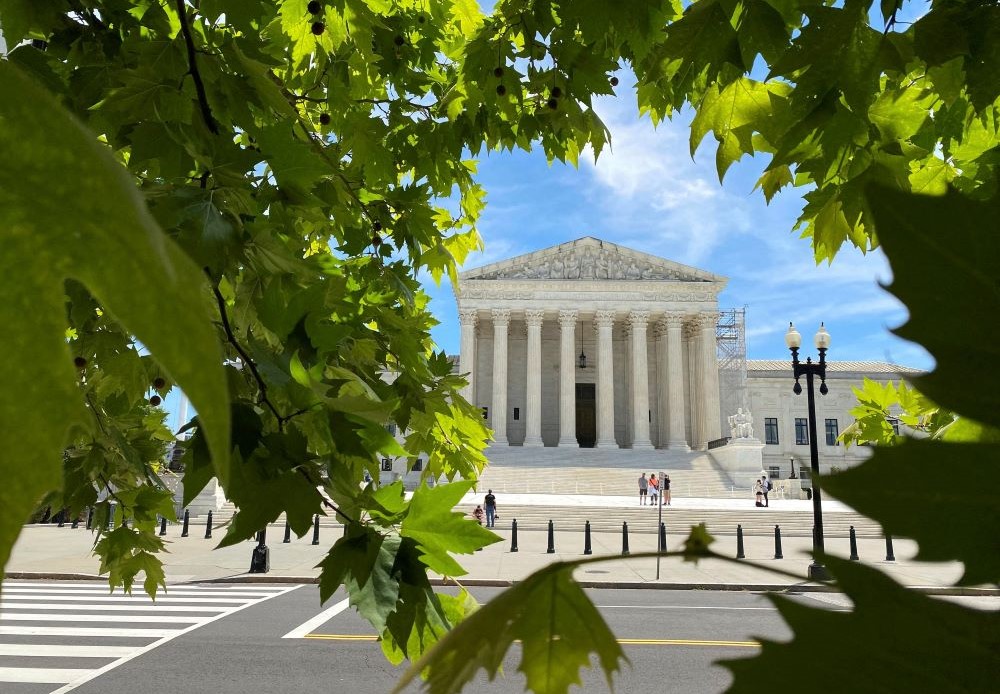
591,344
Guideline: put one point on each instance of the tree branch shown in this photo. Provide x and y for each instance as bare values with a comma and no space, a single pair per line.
243,355
199,86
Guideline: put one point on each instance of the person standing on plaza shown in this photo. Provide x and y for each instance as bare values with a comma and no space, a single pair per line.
643,488
766,486
666,488
654,489
491,509
758,492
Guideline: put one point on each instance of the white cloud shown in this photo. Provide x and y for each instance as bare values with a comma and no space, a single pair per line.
656,194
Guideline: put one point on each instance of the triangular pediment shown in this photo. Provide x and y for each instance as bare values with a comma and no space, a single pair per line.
589,259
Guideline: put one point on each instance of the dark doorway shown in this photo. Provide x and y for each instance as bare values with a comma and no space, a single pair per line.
586,415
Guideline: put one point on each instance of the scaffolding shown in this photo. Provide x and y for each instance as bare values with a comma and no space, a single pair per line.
731,343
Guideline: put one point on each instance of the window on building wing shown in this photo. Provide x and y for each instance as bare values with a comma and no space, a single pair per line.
801,431
771,430
832,432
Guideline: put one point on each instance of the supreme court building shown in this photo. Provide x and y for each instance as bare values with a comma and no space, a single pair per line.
590,344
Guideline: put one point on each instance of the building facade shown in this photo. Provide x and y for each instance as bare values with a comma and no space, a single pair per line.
780,418
591,344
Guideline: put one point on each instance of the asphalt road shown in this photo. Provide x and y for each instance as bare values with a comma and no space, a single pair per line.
238,638
672,638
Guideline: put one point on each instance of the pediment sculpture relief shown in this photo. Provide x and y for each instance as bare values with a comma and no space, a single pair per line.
587,264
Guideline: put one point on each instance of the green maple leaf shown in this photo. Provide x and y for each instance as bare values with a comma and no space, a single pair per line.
893,639
956,522
363,561
68,210
559,628
731,114
937,242
439,531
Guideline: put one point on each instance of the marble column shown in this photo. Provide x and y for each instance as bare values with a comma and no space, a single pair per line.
711,415
468,318
498,410
695,391
533,405
638,320
662,394
605,321
567,378
676,440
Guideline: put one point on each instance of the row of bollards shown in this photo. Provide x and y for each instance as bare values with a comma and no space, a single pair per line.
662,541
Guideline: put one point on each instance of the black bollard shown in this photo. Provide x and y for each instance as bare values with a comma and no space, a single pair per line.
513,535
586,539
889,556
854,546
552,539
625,551
777,543
663,537
208,527
62,519
187,519
739,543
163,526
316,530
288,533
90,518
260,559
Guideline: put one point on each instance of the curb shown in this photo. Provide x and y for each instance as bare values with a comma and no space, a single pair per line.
507,583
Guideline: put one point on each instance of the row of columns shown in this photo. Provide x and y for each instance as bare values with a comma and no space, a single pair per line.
668,356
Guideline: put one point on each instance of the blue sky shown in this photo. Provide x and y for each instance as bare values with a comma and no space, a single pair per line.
648,194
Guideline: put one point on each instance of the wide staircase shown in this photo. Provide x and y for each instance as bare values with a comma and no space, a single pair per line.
614,472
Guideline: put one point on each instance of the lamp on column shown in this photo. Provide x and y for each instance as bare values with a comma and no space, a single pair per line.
581,361
817,571
791,464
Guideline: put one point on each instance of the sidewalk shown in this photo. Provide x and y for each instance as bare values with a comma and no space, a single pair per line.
52,552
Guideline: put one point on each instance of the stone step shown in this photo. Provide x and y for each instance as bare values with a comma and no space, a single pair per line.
644,520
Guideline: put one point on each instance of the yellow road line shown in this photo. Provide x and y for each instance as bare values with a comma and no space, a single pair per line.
625,642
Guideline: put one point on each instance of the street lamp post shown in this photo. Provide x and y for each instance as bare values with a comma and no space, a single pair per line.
817,571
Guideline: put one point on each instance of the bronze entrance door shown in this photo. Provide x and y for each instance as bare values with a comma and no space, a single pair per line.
586,415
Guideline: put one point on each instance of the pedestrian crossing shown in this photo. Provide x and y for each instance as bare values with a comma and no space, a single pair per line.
56,636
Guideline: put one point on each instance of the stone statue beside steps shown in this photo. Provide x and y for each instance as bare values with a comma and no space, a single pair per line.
741,424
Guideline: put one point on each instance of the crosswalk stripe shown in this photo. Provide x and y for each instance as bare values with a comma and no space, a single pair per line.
63,651
29,675
123,598
86,631
105,591
112,608
317,621
236,587
69,617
